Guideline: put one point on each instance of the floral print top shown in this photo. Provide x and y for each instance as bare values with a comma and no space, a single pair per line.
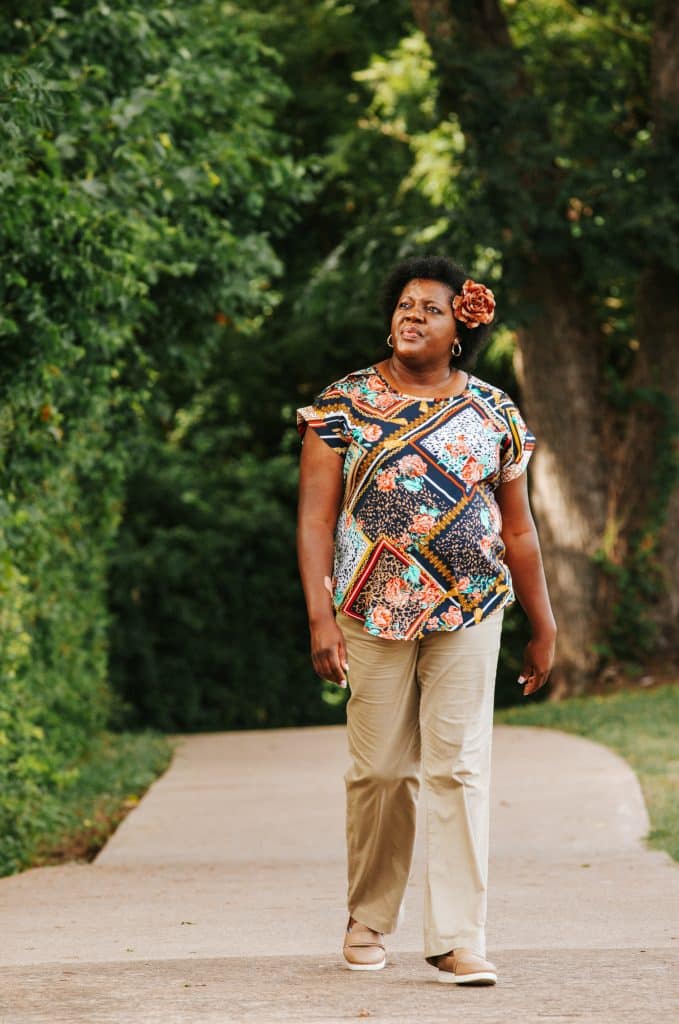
417,542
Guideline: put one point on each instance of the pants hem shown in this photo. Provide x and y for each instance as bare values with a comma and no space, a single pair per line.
443,948
377,925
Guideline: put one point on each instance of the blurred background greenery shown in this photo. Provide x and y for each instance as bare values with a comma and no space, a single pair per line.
199,202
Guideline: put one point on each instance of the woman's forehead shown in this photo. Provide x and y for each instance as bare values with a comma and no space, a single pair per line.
420,287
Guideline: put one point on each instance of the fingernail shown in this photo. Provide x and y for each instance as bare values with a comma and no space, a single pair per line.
522,679
343,684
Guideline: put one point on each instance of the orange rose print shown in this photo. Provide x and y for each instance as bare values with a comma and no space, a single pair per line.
422,523
396,591
453,617
412,465
457,447
429,594
372,432
386,480
381,617
472,471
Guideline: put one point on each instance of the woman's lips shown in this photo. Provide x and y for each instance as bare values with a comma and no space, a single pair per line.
410,332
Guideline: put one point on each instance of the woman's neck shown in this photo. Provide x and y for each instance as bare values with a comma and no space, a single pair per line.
425,382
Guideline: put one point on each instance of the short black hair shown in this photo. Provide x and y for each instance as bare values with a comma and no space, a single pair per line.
446,271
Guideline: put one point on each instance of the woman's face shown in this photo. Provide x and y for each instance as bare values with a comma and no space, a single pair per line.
422,325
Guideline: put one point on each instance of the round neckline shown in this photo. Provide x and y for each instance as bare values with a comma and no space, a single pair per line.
419,398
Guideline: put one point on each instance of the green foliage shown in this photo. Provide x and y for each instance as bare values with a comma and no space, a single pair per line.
448,150
143,181
75,820
213,632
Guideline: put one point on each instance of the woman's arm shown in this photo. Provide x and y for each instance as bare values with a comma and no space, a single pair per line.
525,564
320,496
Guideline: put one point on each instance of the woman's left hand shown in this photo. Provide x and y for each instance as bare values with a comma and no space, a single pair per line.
538,659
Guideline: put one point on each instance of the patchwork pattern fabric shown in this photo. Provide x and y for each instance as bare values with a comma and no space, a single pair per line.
417,544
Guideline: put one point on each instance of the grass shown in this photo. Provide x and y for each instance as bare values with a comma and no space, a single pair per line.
75,822
641,725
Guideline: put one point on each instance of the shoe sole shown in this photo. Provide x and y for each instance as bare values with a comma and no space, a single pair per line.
366,967
480,978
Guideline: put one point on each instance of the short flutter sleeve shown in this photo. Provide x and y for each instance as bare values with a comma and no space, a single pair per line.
329,417
518,444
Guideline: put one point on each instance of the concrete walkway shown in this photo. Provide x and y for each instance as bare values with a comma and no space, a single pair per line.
221,899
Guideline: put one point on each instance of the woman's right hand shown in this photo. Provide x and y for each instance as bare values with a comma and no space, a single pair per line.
329,652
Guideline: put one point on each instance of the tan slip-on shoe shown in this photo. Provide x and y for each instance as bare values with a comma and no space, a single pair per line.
464,967
363,948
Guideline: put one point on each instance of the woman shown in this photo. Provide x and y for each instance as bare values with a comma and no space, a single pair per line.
415,532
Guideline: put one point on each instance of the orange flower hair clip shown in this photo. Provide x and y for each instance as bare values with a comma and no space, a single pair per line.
476,304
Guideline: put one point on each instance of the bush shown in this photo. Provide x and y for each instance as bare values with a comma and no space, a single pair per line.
142,183
210,624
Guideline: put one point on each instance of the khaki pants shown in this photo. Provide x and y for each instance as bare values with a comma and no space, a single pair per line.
425,703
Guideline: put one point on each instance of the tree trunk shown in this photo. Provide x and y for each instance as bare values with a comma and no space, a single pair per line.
665,65
557,373
658,322
658,325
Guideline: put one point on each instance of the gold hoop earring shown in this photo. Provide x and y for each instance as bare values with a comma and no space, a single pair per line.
456,349
390,342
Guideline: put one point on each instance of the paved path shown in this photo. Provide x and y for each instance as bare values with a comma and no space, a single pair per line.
221,899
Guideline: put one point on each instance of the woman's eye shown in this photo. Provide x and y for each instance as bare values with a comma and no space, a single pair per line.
434,309
402,305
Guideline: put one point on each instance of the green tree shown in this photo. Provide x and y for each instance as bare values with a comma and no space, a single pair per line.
142,183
